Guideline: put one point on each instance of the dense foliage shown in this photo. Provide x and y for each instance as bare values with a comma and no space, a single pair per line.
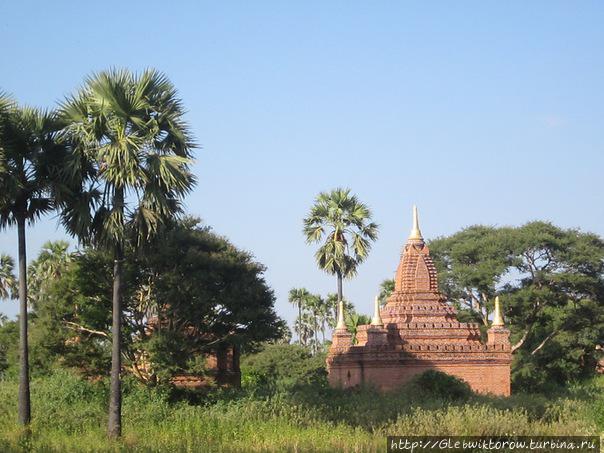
551,284
283,366
189,292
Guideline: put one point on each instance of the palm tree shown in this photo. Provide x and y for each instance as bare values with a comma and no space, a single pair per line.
313,305
353,321
53,260
134,153
29,163
298,297
331,302
386,289
343,224
8,282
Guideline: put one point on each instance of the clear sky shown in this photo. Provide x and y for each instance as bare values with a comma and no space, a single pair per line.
478,112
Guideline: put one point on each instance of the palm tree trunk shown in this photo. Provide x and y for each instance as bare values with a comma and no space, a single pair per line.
300,321
340,296
24,399
115,396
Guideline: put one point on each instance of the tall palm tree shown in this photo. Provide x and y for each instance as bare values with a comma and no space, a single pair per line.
29,162
298,297
133,149
343,226
8,282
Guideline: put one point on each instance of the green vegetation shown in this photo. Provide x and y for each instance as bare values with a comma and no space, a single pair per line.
150,292
291,417
131,153
551,284
342,224
202,289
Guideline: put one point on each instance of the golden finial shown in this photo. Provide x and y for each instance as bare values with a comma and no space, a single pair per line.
341,325
415,232
497,318
377,317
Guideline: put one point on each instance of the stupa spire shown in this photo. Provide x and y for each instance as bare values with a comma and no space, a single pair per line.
377,317
341,325
416,234
497,318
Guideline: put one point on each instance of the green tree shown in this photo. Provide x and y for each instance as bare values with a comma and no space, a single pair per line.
386,289
186,294
557,307
353,321
128,129
471,265
551,283
52,261
8,281
30,160
342,225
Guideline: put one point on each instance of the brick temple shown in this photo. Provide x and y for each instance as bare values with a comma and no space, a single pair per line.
417,330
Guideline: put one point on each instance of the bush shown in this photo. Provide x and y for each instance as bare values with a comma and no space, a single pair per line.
282,366
436,384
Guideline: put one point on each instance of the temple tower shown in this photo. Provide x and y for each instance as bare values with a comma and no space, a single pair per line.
418,330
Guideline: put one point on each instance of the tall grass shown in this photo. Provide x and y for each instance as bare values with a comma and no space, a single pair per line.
70,416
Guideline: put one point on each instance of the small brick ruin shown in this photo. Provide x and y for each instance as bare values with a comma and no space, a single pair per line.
417,330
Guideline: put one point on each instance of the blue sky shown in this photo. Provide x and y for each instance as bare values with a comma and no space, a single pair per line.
478,112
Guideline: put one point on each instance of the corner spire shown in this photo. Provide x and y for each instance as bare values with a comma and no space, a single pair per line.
497,318
377,317
416,234
341,325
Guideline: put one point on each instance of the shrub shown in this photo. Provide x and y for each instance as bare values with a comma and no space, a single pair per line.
282,366
436,384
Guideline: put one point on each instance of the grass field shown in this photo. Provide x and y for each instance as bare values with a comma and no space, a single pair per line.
70,415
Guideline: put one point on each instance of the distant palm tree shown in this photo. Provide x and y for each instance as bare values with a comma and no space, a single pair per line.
53,260
314,305
304,324
127,131
331,302
386,289
353,321
343,226
8,281
298,297
29,163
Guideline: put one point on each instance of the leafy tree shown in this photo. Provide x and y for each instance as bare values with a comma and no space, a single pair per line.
128,129
471,265
557,308
30,160
342,225
188,293
551,283
8,281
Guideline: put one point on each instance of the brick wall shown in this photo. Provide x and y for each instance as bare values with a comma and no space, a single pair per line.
483,378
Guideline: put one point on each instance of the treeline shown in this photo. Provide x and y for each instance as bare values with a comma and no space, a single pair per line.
113,162
187,294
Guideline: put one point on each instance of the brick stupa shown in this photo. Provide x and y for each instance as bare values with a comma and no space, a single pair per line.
416,331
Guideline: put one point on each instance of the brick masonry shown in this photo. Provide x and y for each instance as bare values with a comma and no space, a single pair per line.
420,332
